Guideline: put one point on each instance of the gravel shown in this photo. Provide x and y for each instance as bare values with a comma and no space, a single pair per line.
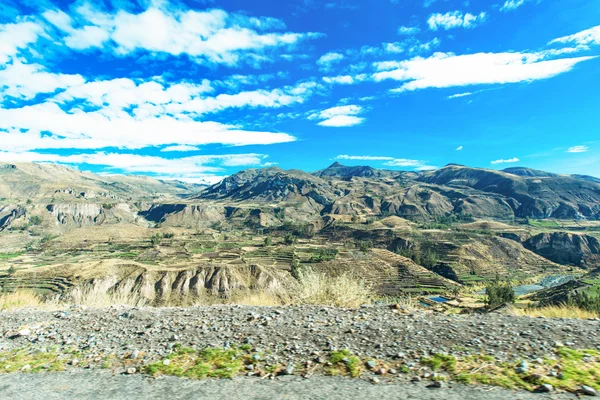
292,336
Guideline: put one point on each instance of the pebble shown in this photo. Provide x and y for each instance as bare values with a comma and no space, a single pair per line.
588,391
544,388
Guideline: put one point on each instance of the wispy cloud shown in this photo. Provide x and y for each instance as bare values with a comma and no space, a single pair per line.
584,38
578,149
459,148
443,70
364,158
338,117
213,36
326,61
408,30
508,161
455,19
458,95
417,165
511,5
180,148
192,168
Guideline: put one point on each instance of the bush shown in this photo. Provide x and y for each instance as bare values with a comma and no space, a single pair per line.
155,239
430,260
290,239
498,293
268,241
585,301
169,235
364,245
35,220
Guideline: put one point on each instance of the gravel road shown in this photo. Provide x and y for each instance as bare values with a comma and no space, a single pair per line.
101,385
301,337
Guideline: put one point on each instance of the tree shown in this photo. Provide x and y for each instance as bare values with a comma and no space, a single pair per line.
268,241
498,293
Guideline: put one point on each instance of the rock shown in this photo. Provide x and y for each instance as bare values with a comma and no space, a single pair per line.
26,368
166,362
588,391
24,332
374,380
415,379
435,385
130,371
544,388
371,364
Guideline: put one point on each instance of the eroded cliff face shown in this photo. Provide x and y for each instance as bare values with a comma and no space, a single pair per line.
566,248
10,213
185,285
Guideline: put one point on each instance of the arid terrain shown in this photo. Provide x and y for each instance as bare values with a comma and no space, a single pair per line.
368,273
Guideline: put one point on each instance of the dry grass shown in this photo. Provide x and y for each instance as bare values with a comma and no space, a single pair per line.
340,291
92,296
268,298
563,311
20,299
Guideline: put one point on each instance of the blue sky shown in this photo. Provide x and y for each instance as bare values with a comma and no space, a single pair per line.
197,90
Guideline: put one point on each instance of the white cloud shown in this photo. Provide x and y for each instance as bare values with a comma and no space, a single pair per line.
363,158
23,129
443,70
213,36
509,161
455,19
459,148
340,121
188,168
584,38
25,81
14,37
511,5
345,79
459,95
341,116
408,30
182,147
390,161
578,149
326,61
404,162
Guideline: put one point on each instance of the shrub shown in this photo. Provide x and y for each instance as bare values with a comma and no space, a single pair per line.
268,241
364,245
155,239
35,220
585,301
290,239
498,293
169,235
323,289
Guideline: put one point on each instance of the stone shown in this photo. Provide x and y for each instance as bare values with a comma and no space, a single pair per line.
435,385
588,391
130,371
371,364
24,332
544,388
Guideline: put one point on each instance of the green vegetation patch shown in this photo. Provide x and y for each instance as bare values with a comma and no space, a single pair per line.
8,256
29,360
206,363
343,362
567,371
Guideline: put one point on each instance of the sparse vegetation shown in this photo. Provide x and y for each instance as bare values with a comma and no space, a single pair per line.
498,293
206,363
